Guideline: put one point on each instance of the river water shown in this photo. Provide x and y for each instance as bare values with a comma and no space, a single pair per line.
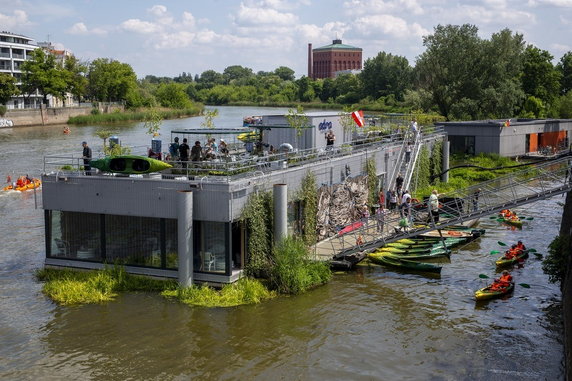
370,324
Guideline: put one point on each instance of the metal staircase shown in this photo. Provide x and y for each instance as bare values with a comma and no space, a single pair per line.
536,182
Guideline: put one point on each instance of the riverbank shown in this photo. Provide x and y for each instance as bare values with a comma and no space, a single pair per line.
45,116
134,116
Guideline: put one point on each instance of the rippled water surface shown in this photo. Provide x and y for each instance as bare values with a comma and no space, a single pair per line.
369,324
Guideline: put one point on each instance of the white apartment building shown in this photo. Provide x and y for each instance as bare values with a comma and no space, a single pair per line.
14,50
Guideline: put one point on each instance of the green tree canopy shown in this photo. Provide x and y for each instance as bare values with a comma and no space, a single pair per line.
236,73
285,73
8,88
540,78
172,95
110,80
385,74
42,73
565,69
76,77
209,79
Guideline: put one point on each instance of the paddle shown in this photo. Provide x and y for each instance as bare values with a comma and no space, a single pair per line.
525,285
493,252
502,243
483,276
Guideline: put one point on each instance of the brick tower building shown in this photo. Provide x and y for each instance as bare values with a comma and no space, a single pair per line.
324,62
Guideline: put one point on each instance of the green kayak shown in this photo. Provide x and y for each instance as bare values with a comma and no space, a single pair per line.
487,293
395,250
503,262
129,164
405,264
424,257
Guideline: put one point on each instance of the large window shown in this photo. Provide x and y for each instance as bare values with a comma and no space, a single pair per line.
133,240
462,144
74,235
211,242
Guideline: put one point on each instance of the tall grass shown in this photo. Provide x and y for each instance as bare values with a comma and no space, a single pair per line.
67,287
245,291
115,117
293,272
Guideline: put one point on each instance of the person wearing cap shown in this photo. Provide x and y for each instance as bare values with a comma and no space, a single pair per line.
86,155
223,148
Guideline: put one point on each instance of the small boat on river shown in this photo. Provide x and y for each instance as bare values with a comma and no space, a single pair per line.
387,259
505,261
23,184
490,292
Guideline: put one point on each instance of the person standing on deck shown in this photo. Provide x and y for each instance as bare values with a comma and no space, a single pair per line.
184,152
86,156
413,128
434,205
398,182
330,139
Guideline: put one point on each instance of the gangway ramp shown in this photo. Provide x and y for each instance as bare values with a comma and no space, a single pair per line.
536,182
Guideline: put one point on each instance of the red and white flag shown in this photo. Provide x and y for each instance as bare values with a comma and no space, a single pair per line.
358,118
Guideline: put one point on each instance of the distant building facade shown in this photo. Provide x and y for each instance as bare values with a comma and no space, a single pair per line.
14,50
511,138
326,61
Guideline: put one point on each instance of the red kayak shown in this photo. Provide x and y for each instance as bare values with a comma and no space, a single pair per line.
351,228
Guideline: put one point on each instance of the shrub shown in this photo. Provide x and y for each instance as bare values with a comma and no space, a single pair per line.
293,272
554,265
245,291
3,110
95,111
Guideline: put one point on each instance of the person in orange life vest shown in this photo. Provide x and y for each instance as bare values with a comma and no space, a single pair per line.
21,181
511,253
520,246
503,282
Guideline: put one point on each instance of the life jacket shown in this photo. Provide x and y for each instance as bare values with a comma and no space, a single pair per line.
520,246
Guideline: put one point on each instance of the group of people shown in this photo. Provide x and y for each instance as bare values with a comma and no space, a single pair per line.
183,152
514,251
506,213
502,282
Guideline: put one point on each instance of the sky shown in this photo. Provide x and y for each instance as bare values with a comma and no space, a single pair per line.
167,38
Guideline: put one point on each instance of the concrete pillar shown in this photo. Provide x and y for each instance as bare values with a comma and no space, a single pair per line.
280,212
185,237
445,153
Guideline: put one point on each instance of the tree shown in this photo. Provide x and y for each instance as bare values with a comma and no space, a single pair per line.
565,69
539,77
209,118
209,79
172,95
236,73
75,77
110,80
42,73
386,74
8,88
447,67
285,73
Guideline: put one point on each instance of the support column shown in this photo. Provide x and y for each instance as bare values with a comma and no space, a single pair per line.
445,163
280,212
185,237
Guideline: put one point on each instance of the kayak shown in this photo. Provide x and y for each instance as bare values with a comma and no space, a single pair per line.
405,264
486,292
440,254
428,240
514,221
36,183
129,164
449,233
395,250
350,228
449,242
502,261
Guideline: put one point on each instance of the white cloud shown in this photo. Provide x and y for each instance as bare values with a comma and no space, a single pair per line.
17,19
189,20
389,25
157,10
139,26
561,48
257,16
372,7
81,29
555,3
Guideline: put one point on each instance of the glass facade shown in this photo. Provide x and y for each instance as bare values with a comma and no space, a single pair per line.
142,241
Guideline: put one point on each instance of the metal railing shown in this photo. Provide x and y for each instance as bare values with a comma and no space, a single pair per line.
236,165
537,182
